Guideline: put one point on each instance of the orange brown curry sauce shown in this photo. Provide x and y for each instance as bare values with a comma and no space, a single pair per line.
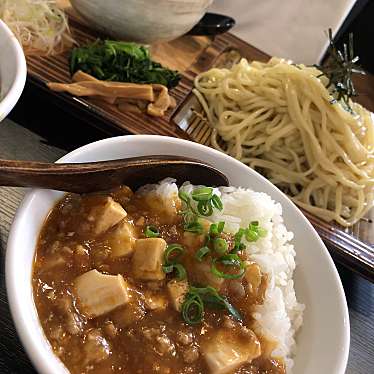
146,334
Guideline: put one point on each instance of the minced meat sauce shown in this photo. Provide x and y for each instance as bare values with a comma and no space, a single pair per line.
106,305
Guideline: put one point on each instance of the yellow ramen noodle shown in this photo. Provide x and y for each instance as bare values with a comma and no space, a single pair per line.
280,119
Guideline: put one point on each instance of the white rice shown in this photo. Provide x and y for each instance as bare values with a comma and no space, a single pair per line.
281,315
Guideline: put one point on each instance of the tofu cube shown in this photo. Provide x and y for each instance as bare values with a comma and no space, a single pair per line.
122,239
108,215
148,258
228,349
177,291
99,293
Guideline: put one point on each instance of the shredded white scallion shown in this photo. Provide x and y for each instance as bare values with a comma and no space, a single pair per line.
39,25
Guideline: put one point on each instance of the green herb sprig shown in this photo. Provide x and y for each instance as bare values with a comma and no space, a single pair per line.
198,298
122,62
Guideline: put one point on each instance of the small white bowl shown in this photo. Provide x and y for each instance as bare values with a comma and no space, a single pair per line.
143,21
12,70
323,341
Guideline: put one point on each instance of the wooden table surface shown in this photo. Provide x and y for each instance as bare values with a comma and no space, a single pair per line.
17,142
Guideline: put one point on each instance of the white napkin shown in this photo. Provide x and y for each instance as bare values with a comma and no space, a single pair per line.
292,29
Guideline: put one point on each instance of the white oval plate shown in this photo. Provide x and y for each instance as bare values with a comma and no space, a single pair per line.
323,341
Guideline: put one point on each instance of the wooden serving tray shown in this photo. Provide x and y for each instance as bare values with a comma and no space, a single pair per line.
191,55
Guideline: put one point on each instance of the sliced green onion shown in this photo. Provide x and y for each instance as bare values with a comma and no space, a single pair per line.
201,253
217,202
151,232
216,228
172,253
238,246
171,257
193,306
193,309
188,217
168,268
184,197
231,260
205,208
220,245
262,232
178,268
238,236
181,271
195,227
202,194
232,310
251,235
221,226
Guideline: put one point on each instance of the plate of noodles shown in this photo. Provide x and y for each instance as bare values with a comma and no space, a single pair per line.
279,118
289,122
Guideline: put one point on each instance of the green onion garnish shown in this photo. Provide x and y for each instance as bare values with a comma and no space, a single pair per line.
205,208
151,232
251,235
194,227
254,232
206,202
201,253
178,268
184,197
217,202
168,268
193,309
220,245
202,194
232,260
181,271
238,246
197,297
172,253
216,228
262,232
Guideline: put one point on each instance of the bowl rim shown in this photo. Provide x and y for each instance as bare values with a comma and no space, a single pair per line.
36,352
11,97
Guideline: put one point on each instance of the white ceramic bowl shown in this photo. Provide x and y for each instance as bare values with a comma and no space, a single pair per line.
323,341
143,21
12,70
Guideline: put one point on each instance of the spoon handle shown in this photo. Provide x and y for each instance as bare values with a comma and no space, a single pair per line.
104,175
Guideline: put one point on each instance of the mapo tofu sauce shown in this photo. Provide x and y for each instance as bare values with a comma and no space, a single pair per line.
106,303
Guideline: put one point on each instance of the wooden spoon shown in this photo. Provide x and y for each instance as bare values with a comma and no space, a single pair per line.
104,175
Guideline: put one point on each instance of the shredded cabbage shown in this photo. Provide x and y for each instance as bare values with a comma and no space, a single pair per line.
39,25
